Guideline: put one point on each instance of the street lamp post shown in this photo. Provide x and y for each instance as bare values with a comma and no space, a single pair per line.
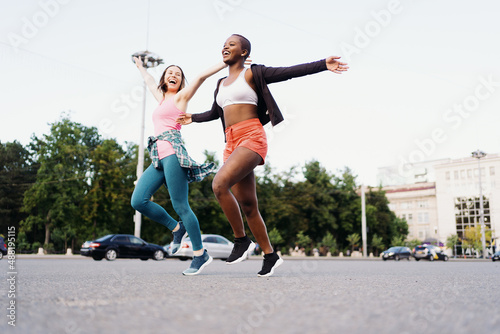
478,155
363,221
149,59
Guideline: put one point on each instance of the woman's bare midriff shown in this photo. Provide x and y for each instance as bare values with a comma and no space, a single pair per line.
236,113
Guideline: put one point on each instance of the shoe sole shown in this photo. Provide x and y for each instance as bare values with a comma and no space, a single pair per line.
245,254
201,268
276,265
182,241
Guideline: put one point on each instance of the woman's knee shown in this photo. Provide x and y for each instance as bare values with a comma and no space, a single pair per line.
182,209
249,208
137,202
219,187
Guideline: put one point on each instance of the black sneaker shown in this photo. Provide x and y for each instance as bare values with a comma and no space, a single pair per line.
240,250
271,261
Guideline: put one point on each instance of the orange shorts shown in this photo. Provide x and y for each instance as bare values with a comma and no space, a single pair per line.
249,134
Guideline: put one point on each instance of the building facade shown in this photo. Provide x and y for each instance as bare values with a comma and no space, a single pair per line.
447,201
417,204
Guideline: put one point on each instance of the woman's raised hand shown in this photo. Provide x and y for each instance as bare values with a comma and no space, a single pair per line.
332,64
138,62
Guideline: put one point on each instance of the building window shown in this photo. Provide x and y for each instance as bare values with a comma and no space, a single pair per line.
455,175
492,170
403,216
469,173
483,173
406,205
422,204
447,176
410,217
467,213
462,174
423,217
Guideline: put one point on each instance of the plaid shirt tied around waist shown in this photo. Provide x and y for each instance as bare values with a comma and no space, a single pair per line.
195,171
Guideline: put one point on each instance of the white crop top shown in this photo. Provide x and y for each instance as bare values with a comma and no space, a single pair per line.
238,92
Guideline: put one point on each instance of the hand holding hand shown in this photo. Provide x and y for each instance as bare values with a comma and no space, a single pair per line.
332,64
184,119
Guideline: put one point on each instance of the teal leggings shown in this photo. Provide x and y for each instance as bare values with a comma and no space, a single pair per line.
174,177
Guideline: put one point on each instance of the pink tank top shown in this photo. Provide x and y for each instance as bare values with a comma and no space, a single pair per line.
164,117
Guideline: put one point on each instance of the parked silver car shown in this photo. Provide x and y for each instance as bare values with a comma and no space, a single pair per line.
216,245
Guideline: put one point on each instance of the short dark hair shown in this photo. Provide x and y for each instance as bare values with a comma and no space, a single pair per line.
245,44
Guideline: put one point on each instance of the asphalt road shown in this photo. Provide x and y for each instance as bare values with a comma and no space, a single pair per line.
305,296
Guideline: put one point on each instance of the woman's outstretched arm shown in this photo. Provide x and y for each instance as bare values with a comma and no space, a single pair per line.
149,80
188,92
278,74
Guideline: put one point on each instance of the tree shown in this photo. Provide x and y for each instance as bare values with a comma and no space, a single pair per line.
280,203
348,207
382,221
329,243
353,240
413,243
303,241
275,237
377,244
397,240
472,237
451,242
17,172
62,180
317,203
106,206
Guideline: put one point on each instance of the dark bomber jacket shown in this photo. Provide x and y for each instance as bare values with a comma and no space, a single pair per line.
267,109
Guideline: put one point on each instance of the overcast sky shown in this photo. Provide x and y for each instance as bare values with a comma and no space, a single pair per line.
423,84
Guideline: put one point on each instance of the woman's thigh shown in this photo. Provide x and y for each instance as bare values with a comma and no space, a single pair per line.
239,165
175,179
149,182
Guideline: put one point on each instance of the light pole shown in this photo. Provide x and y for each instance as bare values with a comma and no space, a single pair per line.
363,220
478,155
149,59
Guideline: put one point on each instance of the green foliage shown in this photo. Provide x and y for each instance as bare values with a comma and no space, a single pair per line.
303,240
472,237
397,240
82,187
382,221
275,237
353,240
413,243
81,184
452,241
17,173
377,244
329,243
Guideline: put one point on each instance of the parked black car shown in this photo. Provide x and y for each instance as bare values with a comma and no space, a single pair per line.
429,252
114,246
396,253
3,248
496,256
